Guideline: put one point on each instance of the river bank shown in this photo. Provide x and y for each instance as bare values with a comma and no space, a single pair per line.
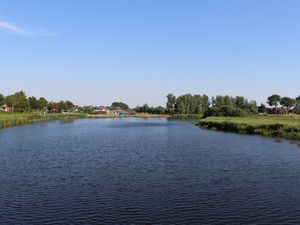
17,119
279,126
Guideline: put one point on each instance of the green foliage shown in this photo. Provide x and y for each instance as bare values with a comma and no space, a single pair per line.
87,109
297,106
43,103
170,105
191,104
16,119
274,100
18,102
2,99
262,108
282,126
33,103
229,106
52,106
152,110
287,102
119,105
220,105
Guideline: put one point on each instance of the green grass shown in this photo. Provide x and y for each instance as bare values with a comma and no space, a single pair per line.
149,115
16,119
281,126
187,116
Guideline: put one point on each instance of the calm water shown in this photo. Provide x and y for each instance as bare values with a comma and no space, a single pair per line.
144,171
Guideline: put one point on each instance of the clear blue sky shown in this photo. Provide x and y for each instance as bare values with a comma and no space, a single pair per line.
137,51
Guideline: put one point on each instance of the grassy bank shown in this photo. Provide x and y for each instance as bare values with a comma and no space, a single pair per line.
149,115
281,126
16,119
187,116
138,115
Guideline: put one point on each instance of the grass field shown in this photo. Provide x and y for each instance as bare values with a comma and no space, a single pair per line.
149,115
281,126
16,119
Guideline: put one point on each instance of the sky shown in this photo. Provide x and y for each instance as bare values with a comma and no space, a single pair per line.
137,51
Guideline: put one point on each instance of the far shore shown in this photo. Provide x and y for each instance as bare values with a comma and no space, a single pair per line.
278,126
16,119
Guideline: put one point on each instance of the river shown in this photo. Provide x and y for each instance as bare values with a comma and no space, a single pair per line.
144,171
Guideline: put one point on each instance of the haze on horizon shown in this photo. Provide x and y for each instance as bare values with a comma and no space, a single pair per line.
97,52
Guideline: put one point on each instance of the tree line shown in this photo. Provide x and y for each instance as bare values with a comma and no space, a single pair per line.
215,106
19,102
288,105
186,104
229,106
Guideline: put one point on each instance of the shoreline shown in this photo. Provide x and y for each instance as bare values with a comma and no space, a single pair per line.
269,126
13,120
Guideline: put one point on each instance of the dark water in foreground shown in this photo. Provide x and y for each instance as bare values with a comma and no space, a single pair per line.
144,171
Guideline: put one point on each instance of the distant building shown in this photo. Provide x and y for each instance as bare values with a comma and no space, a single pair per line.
102,110
119,111
53,111
6,108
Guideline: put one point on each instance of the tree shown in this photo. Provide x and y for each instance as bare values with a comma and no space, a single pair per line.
11,102
2,99
42,103
262,108
69,105
297,107
33,103
87,109
145,108
287,102
171,100
21,102
240,102
120,105
52,106
273,100
61,105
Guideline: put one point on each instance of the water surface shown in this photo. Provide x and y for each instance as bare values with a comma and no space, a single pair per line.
144,171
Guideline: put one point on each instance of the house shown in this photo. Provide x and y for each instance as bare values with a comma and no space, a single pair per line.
6,108
102,110
53,111
119,111
280,110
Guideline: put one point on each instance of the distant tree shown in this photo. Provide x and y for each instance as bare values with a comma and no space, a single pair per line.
171,100
11,102
2,99
69,105
33,103
61,105
87,109
287,102
21,101
240,102
273,100
205,103
252,106
120,105
297,106
159,110
52,106
18,102
43,103
262,108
